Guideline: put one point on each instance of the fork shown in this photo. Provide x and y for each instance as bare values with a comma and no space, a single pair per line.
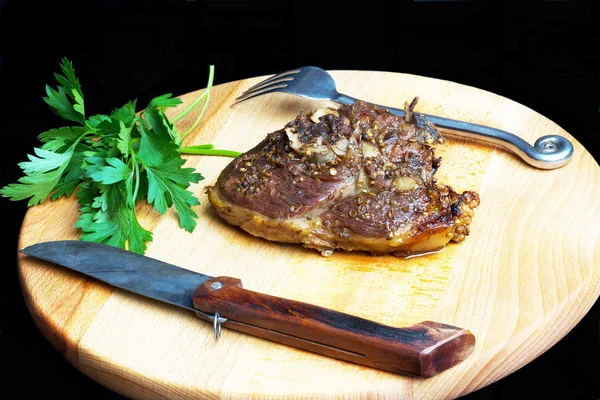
548,152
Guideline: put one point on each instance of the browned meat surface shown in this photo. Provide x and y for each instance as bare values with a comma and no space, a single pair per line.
353,178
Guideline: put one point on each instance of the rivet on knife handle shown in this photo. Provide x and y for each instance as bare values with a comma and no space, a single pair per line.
424,349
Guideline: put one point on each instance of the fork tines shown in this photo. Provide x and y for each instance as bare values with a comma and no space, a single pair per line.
269,85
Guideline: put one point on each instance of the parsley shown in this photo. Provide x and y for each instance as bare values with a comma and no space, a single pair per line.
114,161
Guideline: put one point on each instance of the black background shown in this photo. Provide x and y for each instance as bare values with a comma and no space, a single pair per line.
543,54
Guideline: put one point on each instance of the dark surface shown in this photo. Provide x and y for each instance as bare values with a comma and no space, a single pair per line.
541,54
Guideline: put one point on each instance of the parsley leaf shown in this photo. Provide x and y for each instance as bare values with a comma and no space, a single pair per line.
156,143
67,101
167,185
42,174
56,139
115,171
109,219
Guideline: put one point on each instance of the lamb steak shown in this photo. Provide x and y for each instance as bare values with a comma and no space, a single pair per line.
355,178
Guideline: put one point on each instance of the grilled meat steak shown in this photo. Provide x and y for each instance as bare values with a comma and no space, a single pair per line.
353,178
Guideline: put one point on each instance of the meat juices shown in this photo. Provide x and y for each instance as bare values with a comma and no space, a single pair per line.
356,178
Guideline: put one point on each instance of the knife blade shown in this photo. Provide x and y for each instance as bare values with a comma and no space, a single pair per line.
423,349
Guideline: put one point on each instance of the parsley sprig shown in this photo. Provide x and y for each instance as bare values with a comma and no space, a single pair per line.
114,161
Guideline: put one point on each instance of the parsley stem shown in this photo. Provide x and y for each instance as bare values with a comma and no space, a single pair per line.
137,182
201,146
209,152
199,115
191,107
136,173
196,102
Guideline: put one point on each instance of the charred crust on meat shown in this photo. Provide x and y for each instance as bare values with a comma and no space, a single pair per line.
356,178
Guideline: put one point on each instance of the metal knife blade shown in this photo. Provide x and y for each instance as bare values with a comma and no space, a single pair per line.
424,349
123,269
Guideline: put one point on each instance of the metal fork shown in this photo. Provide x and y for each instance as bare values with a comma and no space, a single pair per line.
548,152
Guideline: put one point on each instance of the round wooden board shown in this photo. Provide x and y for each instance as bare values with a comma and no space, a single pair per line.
527,274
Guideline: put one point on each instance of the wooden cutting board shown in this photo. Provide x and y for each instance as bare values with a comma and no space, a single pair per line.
527,274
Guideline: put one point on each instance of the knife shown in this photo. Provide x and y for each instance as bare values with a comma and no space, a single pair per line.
423,350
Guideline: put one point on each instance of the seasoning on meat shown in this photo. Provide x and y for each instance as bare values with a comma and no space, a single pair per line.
356,178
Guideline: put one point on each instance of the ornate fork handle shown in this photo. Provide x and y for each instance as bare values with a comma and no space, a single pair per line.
548,152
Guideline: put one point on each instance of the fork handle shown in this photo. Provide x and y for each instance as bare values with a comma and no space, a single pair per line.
548,152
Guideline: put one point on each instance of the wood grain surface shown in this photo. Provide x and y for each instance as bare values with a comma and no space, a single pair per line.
527,274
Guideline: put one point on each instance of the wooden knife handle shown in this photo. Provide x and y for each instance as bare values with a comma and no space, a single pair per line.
424,349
